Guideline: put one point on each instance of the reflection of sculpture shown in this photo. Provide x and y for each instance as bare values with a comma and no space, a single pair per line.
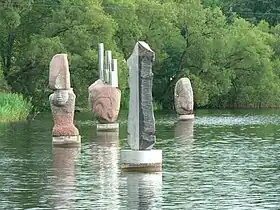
105,101
183,96
108,139
184,136
62,102
64,170
144,190
105,153
184,129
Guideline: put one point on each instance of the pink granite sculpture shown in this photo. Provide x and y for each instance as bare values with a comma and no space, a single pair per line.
62,101
105,101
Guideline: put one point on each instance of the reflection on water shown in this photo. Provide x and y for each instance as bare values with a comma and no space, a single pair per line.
105,148
184,129
184,134
144,190
222,160
107,139
64,165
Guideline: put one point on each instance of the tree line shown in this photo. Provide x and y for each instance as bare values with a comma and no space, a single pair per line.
229,49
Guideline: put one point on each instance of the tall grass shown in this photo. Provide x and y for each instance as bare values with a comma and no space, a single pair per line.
13,107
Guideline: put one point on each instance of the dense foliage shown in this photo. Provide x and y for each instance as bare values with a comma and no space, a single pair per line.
14,107
229,49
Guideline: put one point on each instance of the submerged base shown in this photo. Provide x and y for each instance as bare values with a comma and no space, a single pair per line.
107,127
141,160
66,141
186,117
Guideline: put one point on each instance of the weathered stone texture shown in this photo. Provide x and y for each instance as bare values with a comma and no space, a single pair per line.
63,113
59,77
141,120
63,99
183,96
105,101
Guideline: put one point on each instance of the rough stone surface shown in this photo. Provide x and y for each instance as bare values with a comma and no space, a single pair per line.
59,77
183,96
141,120
105,101
63,105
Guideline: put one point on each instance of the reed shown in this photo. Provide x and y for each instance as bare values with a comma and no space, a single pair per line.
14,107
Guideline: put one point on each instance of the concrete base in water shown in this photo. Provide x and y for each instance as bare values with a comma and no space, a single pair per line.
107,127
66,141
141,160
186,117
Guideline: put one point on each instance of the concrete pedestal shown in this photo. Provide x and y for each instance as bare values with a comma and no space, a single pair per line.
141,160
66,141
186,117
107,127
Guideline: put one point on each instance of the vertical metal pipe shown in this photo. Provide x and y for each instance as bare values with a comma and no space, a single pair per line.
108,54
115,73
101,60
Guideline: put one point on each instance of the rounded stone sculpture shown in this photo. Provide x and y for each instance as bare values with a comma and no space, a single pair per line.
183,97
105,101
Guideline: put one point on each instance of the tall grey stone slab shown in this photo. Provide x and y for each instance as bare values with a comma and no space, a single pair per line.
141,120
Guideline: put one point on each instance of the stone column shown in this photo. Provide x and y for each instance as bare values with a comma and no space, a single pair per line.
183,98
141,120
105,97
62,103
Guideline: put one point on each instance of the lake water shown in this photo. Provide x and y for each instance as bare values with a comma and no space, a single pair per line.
224,160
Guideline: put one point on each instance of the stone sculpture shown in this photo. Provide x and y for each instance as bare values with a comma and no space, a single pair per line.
104,94
183,96
105,101
141,120
62,102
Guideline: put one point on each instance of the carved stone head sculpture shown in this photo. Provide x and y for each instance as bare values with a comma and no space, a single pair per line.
105,101
63,99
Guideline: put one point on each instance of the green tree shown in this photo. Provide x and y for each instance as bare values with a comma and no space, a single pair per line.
72,27
255,10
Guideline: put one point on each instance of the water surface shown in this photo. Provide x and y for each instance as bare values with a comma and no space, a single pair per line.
226,159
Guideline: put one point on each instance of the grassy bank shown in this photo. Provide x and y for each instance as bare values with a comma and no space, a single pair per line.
13,107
